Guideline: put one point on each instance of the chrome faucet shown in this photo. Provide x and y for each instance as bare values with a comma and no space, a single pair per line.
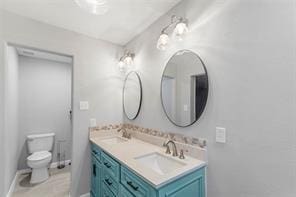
168,151
125,134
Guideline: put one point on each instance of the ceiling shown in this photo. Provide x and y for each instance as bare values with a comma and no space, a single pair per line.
124,20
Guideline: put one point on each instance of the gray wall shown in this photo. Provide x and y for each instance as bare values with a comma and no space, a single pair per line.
2,179
11,115
44,103
248,47
96,79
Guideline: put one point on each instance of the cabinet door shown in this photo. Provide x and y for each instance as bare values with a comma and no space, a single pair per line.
96,170
192,185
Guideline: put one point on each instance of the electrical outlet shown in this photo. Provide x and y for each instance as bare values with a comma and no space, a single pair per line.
220,135
83,105
93,122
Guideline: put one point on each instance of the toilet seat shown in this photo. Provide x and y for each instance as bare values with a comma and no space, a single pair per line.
38,156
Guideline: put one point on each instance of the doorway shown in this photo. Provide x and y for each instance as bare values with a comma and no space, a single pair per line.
39,101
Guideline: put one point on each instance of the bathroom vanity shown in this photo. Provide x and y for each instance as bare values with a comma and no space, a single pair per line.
133,168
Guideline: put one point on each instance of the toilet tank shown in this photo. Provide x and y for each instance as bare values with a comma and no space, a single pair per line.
40,142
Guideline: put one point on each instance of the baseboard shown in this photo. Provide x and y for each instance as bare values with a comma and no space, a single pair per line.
85,195
24,171
55,164
12,186
52,165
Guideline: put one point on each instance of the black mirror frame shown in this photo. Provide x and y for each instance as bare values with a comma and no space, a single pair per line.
141,95
206,94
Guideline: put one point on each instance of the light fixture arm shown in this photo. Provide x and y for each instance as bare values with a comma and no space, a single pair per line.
174,21
127,54
178,25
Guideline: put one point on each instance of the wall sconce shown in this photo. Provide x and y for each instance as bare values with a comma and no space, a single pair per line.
180,26
126,61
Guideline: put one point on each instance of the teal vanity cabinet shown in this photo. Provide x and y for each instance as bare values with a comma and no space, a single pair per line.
111,179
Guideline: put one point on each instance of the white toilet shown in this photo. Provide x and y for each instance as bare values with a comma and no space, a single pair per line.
39,147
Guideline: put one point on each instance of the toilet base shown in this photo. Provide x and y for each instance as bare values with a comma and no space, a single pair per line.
39,175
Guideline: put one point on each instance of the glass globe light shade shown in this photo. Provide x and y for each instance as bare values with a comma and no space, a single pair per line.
128,60
163,41
121,66
180,30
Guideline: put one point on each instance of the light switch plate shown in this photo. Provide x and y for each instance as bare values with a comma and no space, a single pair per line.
185,107
220,135
83,105
93,122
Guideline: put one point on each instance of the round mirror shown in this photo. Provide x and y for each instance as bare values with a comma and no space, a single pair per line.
132,95
184,88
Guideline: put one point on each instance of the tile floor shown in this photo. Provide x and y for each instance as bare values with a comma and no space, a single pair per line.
57,185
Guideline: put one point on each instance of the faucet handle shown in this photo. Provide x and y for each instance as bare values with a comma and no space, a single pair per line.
129,135
182,156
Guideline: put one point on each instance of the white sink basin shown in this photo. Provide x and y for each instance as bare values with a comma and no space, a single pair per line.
160,163
113,140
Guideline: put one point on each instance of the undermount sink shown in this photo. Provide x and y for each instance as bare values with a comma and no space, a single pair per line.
160,163
113,140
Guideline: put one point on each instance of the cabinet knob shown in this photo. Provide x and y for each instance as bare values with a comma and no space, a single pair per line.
107,165
108,182
132,186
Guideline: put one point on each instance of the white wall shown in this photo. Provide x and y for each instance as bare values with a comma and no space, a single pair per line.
248,47
44,103
11,115
96,79
1,106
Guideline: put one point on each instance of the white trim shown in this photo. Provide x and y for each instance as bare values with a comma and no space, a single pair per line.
12,186
85,195
24,171
52,165
55,164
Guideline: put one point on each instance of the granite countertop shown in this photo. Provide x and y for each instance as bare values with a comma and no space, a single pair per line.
127,151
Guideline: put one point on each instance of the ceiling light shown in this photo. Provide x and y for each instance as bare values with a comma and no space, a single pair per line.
163,41
178,25
98,7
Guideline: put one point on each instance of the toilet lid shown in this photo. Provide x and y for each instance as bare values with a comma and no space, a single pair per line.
39,155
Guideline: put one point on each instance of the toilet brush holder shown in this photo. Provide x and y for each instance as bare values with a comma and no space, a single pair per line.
61,155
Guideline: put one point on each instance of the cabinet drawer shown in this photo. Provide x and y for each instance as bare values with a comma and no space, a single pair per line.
110,182
135,185
106,192
110,165
96,152
124,193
